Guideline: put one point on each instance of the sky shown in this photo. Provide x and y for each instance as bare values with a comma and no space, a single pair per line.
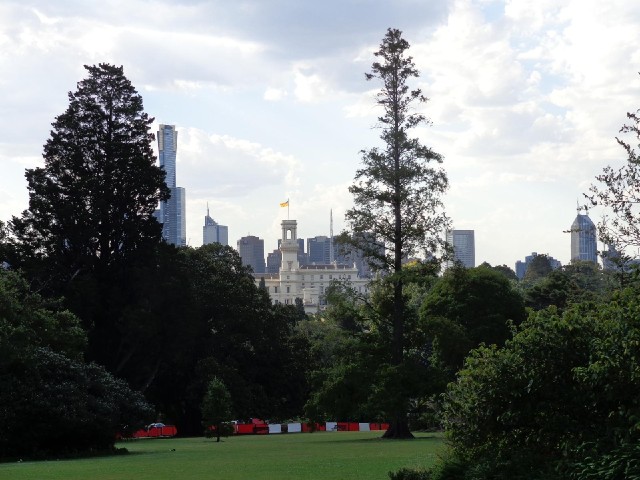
271,103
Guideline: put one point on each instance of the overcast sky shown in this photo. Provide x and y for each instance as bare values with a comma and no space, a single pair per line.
270,101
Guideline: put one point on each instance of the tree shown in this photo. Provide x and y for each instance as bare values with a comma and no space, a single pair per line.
397,192
216,406
538,268
619,191
51,402
559,400
503,269
469,307
91,206
90,220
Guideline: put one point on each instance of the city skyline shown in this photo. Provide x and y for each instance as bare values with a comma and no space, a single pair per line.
271,103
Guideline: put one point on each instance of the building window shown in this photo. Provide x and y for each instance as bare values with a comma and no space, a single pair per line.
287,277
275,289
320,277
287,289
330,277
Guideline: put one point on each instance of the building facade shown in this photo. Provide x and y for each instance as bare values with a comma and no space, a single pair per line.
319,250
212,232
464,247
306,282
251,250
584,245
172,212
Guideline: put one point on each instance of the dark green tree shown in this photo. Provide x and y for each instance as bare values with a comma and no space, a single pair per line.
51,402
90,224
559,400
218,323
216,406
538,268
504,269
397,193
466,308
91,206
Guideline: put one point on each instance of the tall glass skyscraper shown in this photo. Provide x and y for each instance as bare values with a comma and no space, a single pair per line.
212,232
464,247
584,245
172,212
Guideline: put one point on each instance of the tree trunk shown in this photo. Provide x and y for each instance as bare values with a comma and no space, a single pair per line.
398,429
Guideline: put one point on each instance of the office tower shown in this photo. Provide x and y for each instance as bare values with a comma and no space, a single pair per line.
464,249
319,250
583,239
172,212
521,267
212,232
274,260
251,250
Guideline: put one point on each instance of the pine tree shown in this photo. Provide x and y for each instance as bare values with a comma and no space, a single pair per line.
89,230
91,205
397,193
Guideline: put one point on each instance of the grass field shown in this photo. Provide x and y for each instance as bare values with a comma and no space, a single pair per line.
321,455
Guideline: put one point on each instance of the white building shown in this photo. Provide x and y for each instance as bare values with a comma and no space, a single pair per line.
307,282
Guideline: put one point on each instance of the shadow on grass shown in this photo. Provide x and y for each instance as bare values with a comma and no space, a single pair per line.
435,436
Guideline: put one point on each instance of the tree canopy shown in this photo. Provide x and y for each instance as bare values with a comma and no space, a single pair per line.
559,400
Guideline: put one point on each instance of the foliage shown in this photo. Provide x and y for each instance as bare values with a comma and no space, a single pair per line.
618,192
410,474
91,206
28,321
216,406
352,377
397,193
575,283
89,234
564,382
466,308
219,324
538,268
53,405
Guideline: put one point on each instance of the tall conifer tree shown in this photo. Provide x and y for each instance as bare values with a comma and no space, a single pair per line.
397,194
89,228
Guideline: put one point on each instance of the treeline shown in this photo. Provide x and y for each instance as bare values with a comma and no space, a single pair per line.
98,311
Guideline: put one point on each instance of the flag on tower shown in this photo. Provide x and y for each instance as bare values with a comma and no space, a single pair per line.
285,204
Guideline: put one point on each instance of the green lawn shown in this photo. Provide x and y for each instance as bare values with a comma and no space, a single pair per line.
307,456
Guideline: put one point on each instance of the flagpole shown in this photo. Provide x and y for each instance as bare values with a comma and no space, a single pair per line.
287,209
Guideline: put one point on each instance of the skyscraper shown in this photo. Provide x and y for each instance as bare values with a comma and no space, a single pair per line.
251,250
319,250
584,245
172,212
464,249
212,232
